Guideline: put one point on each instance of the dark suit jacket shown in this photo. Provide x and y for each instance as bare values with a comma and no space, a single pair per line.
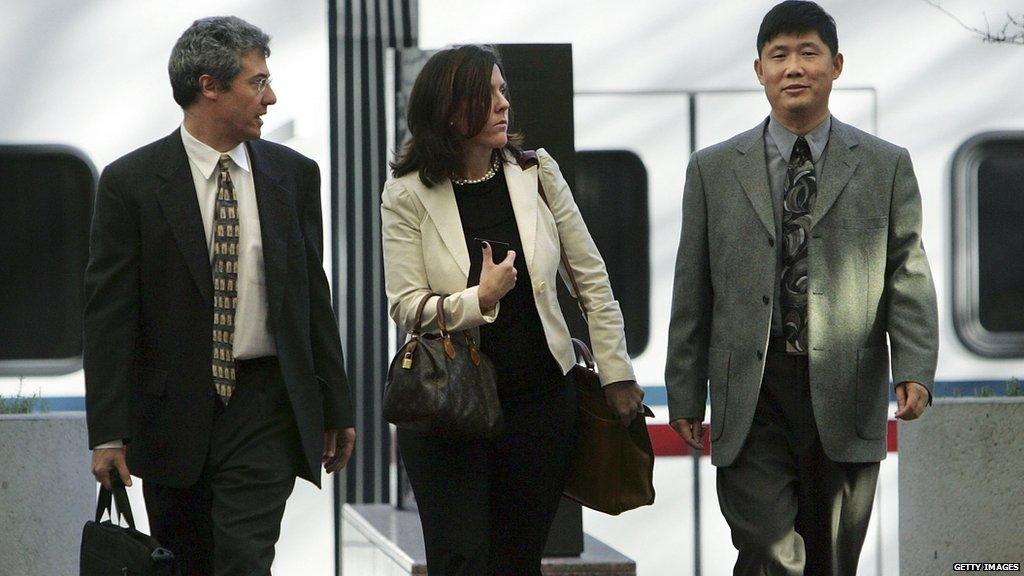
149,311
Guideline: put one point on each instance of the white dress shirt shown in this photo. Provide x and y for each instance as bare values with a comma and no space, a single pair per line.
252,337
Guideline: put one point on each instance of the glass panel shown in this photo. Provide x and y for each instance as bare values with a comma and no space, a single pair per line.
1001,242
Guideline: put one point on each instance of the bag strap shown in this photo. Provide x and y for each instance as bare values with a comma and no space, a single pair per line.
565,259
446,337
529,158
120,497
584,353
441,325
419,312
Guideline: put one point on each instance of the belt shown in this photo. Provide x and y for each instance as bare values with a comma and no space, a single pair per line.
254,364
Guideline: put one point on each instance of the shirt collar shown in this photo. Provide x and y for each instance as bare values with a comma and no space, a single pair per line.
206,158
784,140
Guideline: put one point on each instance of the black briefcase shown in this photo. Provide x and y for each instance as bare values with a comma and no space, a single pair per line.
109,549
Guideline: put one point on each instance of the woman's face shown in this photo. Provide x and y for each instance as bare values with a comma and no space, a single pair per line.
495,131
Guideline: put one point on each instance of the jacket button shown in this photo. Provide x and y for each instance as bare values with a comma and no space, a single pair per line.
771,241
542,286
766,300
760,355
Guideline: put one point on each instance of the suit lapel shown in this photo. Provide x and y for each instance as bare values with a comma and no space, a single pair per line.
180,206
751,170
439,202
275,215
522,189
840,164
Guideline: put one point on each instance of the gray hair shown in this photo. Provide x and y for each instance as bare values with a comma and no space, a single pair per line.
213,46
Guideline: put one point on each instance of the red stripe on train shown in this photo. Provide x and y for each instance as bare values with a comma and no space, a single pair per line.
667,443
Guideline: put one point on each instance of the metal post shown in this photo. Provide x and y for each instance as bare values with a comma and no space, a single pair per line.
696,453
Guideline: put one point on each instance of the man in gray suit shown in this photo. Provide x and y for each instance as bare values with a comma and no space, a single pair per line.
800,252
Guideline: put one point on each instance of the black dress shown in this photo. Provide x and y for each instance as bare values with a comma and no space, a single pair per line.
486,507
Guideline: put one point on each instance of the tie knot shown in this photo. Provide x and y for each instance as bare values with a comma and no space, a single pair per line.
801,152
224,163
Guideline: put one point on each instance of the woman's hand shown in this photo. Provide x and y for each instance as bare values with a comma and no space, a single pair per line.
495,279
625,399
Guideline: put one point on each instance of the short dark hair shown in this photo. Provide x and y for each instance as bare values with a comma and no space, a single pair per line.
213,46
451,78
798,17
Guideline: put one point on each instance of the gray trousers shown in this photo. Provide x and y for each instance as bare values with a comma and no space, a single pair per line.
792,510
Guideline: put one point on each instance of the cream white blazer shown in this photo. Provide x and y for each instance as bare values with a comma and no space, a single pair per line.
425,251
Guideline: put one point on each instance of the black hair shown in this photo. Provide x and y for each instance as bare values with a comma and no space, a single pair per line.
798,17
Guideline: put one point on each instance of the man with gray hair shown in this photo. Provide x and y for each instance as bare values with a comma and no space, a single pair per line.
213,363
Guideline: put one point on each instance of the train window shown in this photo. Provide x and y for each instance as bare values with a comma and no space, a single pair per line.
988,209
611,191
47,194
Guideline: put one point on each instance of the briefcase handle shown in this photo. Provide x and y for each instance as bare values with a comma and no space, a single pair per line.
120,497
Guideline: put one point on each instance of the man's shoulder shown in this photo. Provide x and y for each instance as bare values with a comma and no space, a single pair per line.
281,154
140,160
740,142
853,135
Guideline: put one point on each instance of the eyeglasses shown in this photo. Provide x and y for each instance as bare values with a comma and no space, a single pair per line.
261,84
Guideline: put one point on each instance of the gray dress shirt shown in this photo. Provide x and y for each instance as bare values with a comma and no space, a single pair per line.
778,147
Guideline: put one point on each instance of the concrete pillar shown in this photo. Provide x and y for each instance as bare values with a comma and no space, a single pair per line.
961,481
46,492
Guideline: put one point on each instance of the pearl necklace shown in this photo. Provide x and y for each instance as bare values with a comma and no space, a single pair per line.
495,165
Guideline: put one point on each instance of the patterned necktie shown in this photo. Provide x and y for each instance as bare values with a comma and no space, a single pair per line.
225,279
801,191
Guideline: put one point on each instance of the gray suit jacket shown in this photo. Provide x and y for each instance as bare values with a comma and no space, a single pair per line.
868,278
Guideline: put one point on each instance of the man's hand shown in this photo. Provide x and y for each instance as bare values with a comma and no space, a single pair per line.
691,430
911,400
338,446
106,461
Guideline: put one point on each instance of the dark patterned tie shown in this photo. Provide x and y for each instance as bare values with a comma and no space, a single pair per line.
801,191
225,280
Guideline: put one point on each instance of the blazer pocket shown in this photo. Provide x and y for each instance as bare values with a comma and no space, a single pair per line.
718,376
872,392
154,382
865,223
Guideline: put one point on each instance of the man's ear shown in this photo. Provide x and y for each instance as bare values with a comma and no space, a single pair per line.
837,65
208,87
759,71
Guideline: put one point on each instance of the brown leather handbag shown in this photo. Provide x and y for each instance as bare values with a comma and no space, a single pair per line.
442,384
613,466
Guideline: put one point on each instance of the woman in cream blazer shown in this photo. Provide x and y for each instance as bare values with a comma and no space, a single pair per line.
486,507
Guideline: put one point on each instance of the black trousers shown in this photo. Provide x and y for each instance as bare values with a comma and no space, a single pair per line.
228,523
792,510
487,507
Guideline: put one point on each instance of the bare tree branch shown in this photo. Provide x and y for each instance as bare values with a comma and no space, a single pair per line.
1012,31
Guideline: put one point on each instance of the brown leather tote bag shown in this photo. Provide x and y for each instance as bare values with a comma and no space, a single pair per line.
442,383
613,466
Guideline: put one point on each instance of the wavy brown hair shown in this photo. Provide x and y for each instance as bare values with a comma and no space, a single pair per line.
453,79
